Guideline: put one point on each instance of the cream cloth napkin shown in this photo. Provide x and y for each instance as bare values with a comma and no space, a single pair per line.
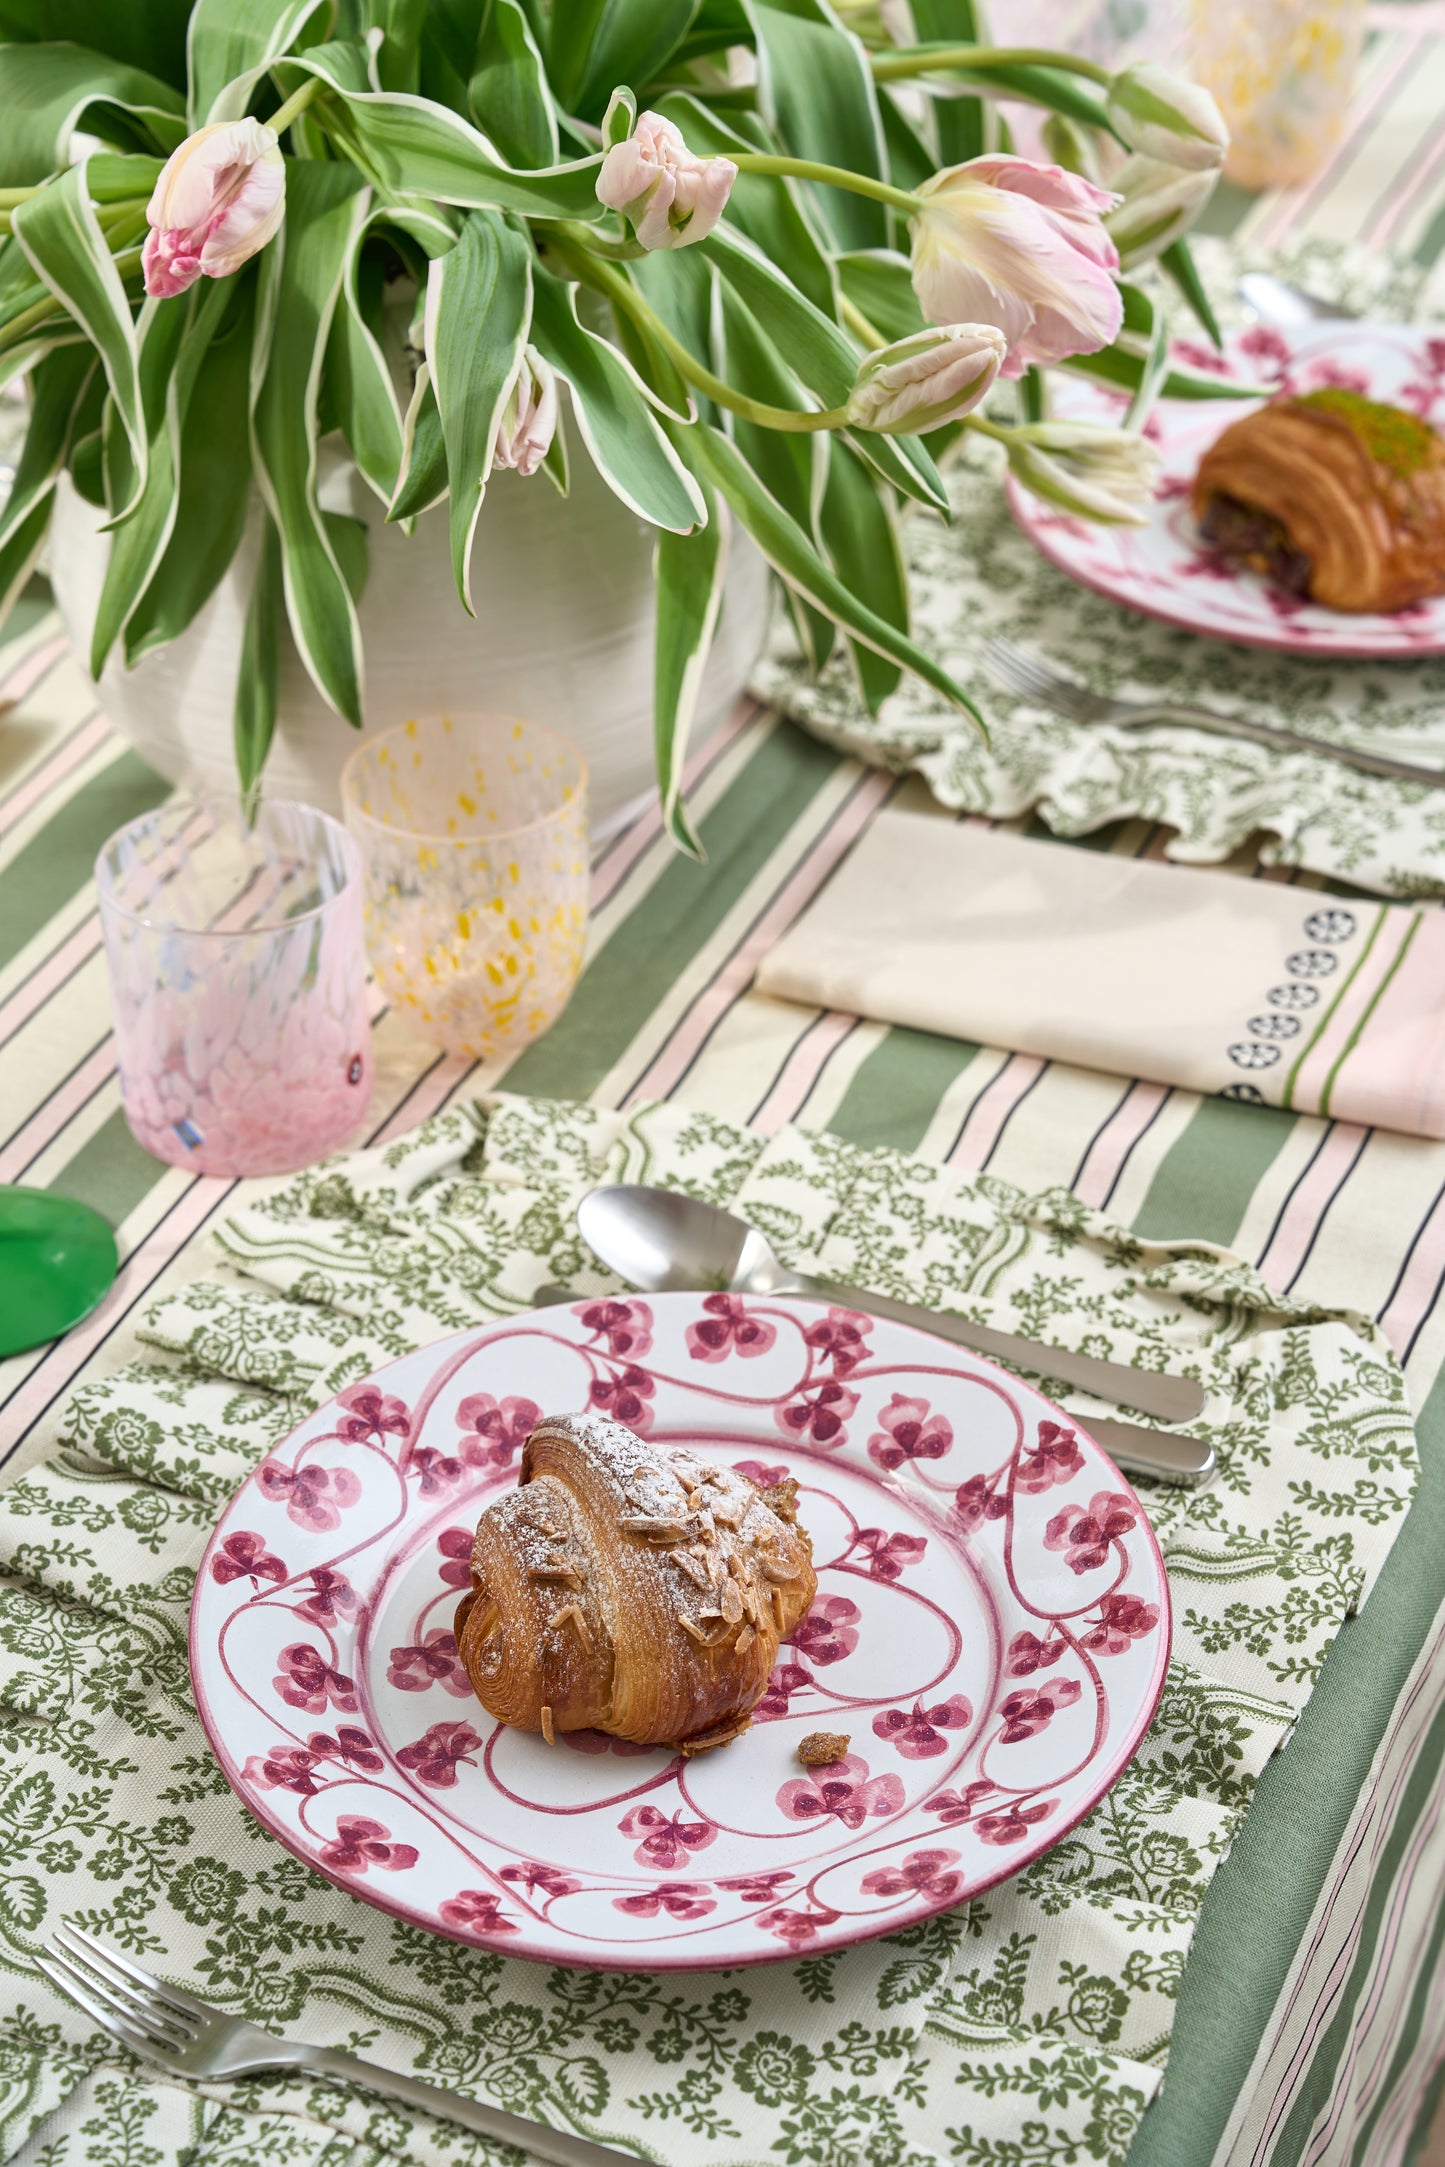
1268,992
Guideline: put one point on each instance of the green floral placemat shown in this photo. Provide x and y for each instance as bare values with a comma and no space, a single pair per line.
982,578
1029,2025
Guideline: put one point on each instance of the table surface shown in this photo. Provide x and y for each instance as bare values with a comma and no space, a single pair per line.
1312,2015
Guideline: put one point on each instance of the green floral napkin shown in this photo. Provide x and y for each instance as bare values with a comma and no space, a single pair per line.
982,578
1029,2026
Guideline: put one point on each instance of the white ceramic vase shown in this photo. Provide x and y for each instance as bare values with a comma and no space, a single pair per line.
563,635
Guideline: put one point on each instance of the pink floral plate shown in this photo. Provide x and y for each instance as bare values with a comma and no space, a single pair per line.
1163,569
991,1631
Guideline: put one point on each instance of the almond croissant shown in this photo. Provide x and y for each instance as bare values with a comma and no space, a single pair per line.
1332,495
626,1588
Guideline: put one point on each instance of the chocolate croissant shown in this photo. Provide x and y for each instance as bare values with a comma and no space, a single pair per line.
1332,495
625,1588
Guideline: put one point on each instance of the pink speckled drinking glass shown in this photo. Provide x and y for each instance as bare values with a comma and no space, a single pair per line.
238,978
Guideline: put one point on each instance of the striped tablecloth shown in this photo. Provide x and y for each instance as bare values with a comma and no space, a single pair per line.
1312,2015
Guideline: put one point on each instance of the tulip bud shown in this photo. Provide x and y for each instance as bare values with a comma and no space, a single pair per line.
1001,240
919,383
1161,202
1073,146
529,418
670,196
1094,472
220,197
1163,116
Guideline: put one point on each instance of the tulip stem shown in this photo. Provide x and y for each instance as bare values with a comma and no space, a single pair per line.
20,327
859,324
619,290
297,103
978,59
809,169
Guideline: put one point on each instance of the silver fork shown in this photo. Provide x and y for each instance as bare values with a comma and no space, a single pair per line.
1034,681
186,2037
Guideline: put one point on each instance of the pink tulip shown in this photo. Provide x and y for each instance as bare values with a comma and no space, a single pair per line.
220,197
1007,242
529,418
671,196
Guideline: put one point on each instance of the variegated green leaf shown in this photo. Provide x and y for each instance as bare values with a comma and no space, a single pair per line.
418,148
362,391
618,426
816,88
174,337
231,43
300,280
479,306
254,716
214,490
860,537
58,231
48,91
789,550
423,454
57,388
689,571
508,94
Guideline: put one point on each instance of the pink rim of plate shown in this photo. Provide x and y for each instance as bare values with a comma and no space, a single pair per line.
1004,1506
1159,571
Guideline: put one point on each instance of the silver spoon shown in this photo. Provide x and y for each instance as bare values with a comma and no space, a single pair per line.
661,1241
1288,307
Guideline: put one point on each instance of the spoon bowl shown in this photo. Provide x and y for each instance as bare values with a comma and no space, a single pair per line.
662,1241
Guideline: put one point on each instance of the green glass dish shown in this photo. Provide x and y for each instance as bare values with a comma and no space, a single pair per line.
57,1260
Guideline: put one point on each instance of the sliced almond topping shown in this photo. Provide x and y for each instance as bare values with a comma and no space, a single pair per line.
717,1614
704,1640
775,1569
655,1527
732,1603
778,1608
729,1510
696,1572
737,1565
745,1640
570,1614
563,1569
547,1725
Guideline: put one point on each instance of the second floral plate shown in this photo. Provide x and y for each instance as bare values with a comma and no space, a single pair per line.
1164,569
991,1631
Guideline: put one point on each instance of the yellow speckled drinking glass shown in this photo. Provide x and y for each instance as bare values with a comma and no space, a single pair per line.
473,831
1282,71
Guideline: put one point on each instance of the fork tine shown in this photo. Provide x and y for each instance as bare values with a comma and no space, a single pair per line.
109,2019
1016,669
140,2007
175,1997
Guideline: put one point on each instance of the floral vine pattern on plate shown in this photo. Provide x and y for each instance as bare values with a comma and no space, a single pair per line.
990,1631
